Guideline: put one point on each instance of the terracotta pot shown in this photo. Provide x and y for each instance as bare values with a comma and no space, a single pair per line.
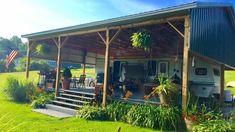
189,124
65,84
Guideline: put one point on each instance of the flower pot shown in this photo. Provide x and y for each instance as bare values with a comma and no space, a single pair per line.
65,84
189,124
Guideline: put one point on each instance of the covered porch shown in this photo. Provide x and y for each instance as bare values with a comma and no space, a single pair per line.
106,42
104,47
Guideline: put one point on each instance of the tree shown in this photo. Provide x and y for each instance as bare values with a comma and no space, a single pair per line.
18,43
3,67
34,65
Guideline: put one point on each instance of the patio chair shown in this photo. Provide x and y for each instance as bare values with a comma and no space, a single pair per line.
81,80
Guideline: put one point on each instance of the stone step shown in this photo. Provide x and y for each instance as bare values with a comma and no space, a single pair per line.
61,109
72,100
79,92
53,113
76,96
65,104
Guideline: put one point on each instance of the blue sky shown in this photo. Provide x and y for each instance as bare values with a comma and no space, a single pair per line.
27,16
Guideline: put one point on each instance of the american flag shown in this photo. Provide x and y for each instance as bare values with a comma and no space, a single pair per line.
10,57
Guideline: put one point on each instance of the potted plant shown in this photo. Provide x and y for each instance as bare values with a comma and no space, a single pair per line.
66,78
141,39
191,114
165,90
42,49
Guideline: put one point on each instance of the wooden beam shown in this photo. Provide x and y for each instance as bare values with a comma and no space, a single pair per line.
185,81
177,30
64,41
106,69
57,85
55,42
61,43
137,24
132,25
115,35
102,38
29,45
221,85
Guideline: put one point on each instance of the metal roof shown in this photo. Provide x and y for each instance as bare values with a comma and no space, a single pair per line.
161,13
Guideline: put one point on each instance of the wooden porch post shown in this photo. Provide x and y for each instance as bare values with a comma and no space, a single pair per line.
57,85
59,45
28,59
107,42
221,85
106,68
84,62
185,81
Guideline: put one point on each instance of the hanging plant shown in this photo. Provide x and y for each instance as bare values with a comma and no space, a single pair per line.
141,39
42,49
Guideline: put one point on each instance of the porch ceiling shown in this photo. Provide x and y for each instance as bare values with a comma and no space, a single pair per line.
165,41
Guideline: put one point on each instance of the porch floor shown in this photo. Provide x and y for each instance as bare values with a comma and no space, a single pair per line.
137,97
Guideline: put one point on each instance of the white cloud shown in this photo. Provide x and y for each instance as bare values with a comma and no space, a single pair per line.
132,6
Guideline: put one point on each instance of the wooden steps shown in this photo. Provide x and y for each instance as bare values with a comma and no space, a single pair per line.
69,101
74,92
76,96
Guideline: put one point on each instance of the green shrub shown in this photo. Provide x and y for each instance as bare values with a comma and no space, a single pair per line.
213,126
143,115
117,111
41,100
90,112
3,68
168,117
19,91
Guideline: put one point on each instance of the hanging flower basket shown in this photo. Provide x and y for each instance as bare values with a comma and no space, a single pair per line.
141,39
42,49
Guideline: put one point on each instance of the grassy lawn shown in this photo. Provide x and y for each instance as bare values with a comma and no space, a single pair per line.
16,114
30,121
230,76
89,72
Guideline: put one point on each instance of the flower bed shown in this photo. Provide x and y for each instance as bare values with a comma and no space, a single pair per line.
144,115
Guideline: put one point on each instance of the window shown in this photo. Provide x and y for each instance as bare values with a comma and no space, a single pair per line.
201,71
216,72
152,68
163,68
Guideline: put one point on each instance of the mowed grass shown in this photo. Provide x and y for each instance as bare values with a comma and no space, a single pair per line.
21,114
89,72
21,118
230,76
